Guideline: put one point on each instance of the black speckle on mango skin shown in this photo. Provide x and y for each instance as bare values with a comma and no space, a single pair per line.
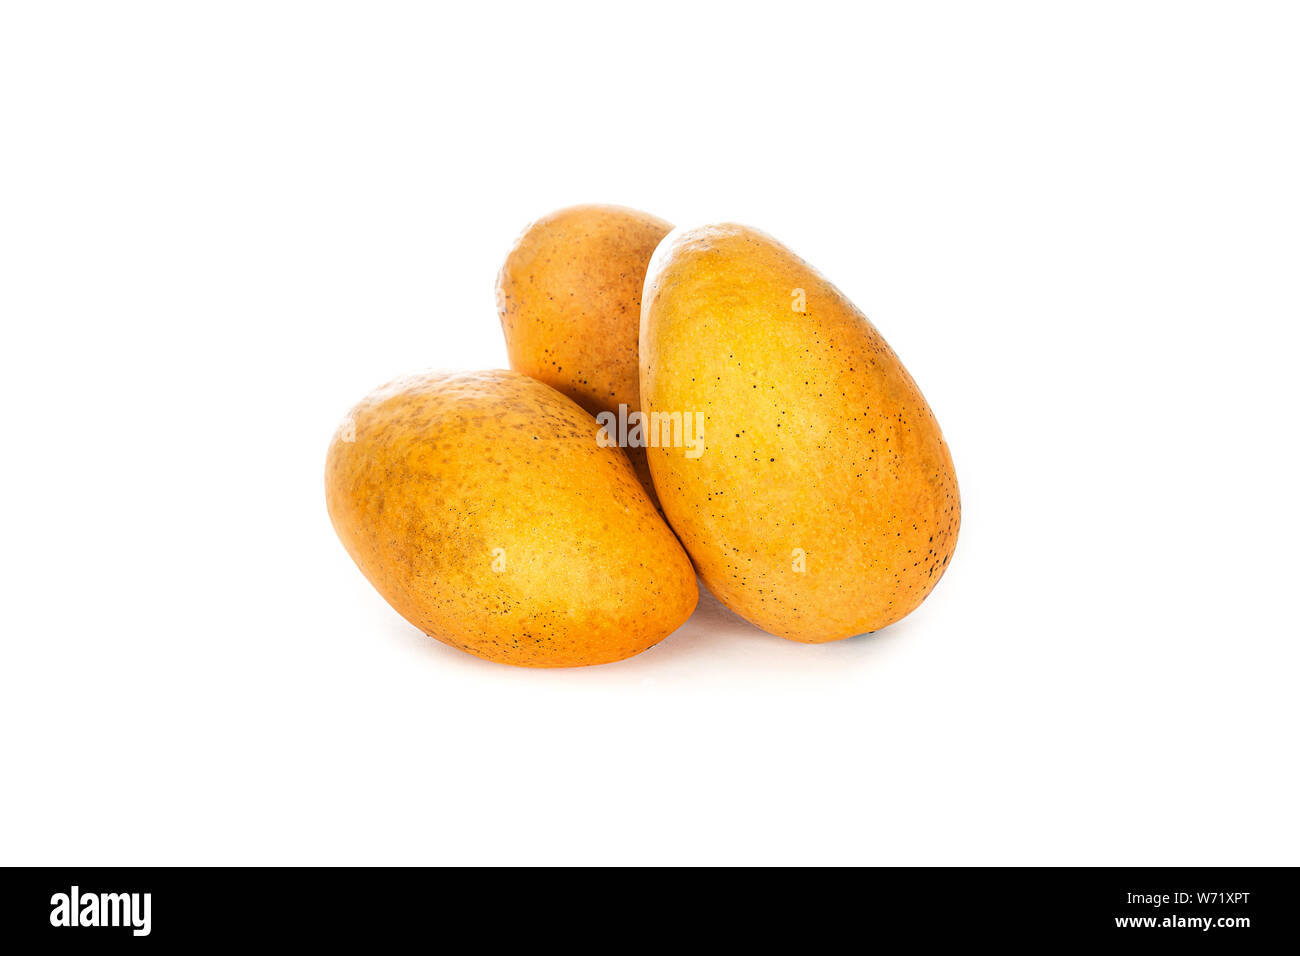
447,470
818,440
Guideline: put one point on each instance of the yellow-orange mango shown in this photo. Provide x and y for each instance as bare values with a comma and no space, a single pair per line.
824,503
569,298
482,508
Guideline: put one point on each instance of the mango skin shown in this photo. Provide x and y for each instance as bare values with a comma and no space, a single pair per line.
569,299
430,475
818,443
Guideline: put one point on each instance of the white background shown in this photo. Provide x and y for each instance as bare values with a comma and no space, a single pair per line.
221,224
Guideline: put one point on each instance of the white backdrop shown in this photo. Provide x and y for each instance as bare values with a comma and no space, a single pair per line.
221,224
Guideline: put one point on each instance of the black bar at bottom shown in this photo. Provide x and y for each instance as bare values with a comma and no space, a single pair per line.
615,908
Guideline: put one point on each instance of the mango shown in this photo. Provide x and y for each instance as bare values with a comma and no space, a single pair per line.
569,299
482,508
824,503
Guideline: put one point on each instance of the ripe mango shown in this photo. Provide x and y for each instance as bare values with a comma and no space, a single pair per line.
482,508
825,503
569,299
